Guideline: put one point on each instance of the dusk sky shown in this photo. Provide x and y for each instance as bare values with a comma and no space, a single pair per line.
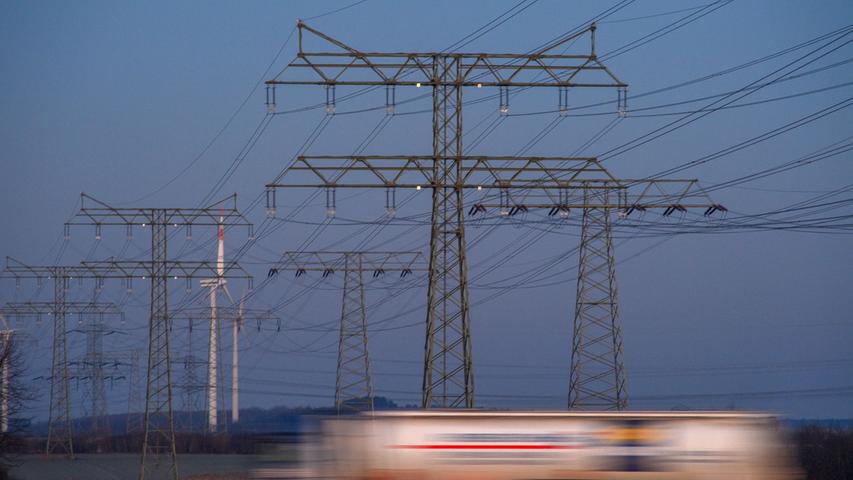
161,104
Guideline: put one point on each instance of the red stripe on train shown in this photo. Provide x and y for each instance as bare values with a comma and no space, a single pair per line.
485,447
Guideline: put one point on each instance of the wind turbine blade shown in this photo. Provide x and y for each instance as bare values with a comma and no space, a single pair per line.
227,293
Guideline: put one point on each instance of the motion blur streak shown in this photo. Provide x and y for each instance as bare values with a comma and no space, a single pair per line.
432,445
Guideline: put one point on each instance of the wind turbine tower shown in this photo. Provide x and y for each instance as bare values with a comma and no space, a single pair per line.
214,284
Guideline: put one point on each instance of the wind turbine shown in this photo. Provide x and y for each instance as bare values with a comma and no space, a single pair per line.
215,284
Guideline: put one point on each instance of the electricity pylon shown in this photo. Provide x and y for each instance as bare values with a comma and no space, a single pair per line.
238,315
448,379
159,431
353,382
597,379
135,403
59,437
190,385
60,433
90,368
512,183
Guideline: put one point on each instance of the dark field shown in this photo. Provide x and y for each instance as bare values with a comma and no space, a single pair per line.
121,466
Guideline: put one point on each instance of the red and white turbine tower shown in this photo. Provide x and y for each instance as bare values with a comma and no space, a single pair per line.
215,284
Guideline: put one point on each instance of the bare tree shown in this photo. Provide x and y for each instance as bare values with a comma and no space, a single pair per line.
13,395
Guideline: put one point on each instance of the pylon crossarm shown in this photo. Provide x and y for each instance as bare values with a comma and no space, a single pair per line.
259,316
24,309
18,269
337,63
175,269
223,212
476,172
330,261
628,196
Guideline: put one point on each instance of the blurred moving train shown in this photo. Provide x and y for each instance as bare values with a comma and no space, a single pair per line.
494,445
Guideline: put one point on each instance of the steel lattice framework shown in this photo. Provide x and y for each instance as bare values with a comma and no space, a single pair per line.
353,382
135,402
158,427
60,433
597,373
448,379
90,368
191,384
513,184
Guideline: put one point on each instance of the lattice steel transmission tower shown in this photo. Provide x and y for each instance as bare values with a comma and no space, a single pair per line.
597,372
448,379
512,184
159,431
190,385
60,434
135,401
90,369
353,381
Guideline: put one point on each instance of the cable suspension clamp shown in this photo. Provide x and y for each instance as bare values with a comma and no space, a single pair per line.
390,99
270,202
715,208
330,202
476,208
564,101
391,201
270,103
504,100
330,99
622,101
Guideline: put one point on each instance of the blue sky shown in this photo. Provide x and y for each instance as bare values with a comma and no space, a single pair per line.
116,99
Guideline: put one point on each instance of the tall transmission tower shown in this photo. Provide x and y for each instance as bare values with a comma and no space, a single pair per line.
353,383
59,438
597,373
448,379
90,368
159,431
190,385
60,434
512,184
597,379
